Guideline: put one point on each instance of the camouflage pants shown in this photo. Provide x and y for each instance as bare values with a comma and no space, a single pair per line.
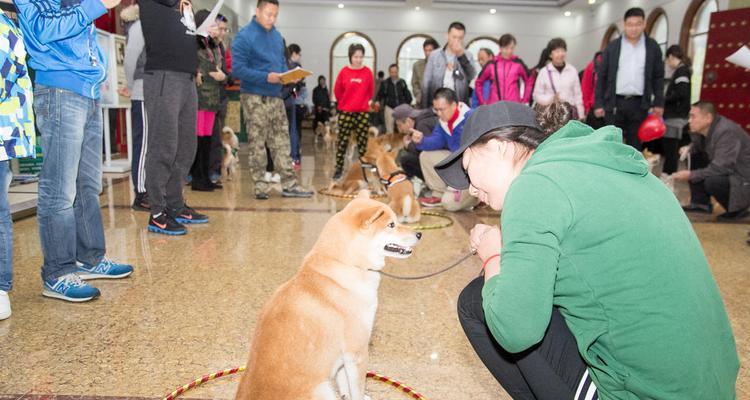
265,118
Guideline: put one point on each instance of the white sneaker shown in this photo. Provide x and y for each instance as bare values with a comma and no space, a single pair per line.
267,177
275,178
4,305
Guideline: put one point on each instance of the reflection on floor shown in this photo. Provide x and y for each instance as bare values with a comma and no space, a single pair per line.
193,301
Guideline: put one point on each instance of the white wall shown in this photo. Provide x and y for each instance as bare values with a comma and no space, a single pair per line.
315,27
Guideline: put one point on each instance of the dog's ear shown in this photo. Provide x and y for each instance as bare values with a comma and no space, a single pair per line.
368,216
363,194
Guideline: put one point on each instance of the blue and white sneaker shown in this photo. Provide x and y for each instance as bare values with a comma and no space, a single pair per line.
71,288
106,269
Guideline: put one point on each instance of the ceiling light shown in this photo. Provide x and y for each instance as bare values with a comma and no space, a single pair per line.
417,8
567,13
592,1
341,5
493,11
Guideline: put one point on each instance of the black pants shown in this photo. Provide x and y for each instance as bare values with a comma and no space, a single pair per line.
409,162
671,151
321,117
716,186
200,168
628,116
552,369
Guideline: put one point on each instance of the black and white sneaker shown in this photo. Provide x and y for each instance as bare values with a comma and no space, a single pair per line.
166,225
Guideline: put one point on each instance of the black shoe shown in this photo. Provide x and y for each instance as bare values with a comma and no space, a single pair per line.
165,225
187,215
296,191
698,208
733,216
217,185
141,203
198,187
337,175
261,196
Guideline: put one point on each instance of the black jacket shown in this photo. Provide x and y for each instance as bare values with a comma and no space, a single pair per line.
394,95
168,45
606,84
321,97
677,99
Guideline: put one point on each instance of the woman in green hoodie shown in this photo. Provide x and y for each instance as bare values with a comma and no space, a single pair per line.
597,286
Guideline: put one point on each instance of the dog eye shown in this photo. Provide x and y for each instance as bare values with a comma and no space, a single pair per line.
392,225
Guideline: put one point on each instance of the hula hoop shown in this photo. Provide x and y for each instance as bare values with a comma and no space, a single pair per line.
433,226
324,192
205,378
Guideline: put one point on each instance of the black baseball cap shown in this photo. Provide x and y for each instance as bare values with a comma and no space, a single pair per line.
483,120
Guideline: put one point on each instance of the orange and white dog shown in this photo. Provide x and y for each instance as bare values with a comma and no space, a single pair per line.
311,341
399,188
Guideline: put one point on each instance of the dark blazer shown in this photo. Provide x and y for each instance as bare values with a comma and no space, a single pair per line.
728,149
606,84
394,95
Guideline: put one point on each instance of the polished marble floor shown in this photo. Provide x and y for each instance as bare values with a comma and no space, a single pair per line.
191,304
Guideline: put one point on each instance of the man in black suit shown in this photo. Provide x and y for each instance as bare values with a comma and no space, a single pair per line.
630,80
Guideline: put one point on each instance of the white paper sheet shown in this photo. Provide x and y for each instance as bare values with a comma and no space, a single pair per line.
740,57
203,29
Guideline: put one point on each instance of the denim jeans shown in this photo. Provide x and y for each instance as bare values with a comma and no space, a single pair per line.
6,229
70,221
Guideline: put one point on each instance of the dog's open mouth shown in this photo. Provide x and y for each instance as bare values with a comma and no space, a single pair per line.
397,250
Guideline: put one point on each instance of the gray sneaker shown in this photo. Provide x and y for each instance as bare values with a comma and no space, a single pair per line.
296,191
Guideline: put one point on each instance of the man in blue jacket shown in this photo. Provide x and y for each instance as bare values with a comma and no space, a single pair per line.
445,138
70,67
258,61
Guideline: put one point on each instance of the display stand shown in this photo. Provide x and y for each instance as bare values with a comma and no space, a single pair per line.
122,165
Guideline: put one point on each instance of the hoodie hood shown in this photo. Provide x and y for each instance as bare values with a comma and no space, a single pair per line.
579,143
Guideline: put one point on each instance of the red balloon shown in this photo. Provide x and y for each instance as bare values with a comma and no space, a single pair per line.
652,128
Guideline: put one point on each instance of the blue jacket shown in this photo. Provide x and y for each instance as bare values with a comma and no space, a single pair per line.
61,39
255,53
441,139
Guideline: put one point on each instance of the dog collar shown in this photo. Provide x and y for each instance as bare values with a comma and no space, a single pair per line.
392,179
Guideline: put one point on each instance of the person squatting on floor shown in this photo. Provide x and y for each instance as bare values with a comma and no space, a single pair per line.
172,106
69,71
258,61
354,90
566,308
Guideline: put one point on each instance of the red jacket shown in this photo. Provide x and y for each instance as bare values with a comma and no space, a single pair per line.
354,89
588,82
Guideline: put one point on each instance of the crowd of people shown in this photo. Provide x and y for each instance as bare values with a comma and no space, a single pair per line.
561,318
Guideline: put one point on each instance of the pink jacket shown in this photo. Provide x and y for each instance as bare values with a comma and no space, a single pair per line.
565,85
506,77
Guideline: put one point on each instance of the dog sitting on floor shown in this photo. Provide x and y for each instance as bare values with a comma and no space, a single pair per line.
311,340
231,145
399,188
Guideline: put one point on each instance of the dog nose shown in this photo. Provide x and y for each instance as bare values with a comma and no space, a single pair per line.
419,235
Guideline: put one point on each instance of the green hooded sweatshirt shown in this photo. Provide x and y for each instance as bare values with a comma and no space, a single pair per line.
588,229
